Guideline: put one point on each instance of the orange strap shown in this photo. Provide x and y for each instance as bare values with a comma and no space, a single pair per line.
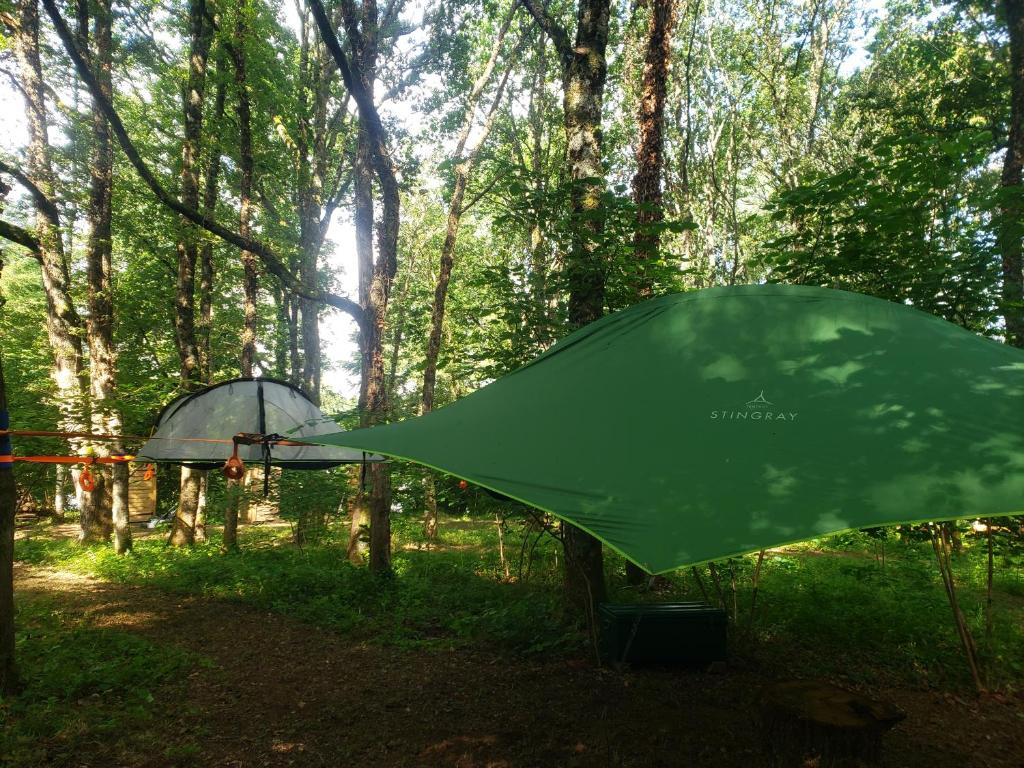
71,459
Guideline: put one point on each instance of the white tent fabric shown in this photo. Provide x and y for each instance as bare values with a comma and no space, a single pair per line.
197,428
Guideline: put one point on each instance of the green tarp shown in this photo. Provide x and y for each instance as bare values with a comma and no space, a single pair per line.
723,421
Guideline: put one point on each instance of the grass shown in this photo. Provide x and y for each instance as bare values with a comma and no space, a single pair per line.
81,681
828,608
449,598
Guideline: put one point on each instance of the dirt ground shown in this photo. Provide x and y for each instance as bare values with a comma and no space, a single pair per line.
281,693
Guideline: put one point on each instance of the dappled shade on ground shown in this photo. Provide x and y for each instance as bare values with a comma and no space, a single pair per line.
264,689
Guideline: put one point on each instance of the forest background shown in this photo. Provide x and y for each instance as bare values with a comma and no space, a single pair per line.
390,205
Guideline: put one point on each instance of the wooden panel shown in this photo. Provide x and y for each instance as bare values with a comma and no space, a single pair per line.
141,495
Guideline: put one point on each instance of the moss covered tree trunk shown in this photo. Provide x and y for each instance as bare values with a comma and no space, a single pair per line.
106,416
584,71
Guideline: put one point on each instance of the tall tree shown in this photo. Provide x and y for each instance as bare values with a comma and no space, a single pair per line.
464,158
386,264
650,150
183,529
1011,209
243,111
63,324
106,417
584,71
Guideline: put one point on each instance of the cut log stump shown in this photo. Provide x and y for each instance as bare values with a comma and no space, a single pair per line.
808,723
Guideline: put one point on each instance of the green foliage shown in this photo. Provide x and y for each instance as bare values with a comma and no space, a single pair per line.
902,222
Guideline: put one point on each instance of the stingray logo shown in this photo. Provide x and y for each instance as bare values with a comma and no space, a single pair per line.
759,403
758,409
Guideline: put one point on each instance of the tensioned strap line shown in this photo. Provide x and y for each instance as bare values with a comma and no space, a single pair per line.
90,435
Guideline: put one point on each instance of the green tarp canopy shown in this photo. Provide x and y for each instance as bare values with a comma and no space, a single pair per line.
701,425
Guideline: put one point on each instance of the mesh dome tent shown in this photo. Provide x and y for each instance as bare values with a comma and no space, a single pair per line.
197,428
707,424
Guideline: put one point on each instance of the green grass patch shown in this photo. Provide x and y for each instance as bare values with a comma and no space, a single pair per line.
824,608
81,680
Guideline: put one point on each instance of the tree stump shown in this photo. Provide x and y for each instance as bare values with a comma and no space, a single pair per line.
820,725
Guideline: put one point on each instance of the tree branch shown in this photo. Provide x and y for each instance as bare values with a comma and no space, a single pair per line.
22,237
271,261
558,34
368,115
45,205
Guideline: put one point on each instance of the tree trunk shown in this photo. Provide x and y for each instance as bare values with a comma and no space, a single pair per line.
245,166
359,82
8,495
1011,206
650,152
206,268
584,71
102,352
363,216
63,325
184,526
183,532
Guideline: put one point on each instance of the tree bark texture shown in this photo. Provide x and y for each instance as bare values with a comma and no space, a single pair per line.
361,28
650,152
191,152
106,417
184,526
204,326
584,71
1011,227
245,167
63,325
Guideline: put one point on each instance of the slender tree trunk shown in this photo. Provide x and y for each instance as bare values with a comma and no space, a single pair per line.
243,111
204,326
245,166
1011,228
8,669
102,352
63,325
650,152
363,216
184,526
281,369
464,162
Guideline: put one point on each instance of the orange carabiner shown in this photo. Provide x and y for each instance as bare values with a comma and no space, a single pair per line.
86,480
150,473
234,468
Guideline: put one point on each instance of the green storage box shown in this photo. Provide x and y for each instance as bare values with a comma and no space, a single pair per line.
662,633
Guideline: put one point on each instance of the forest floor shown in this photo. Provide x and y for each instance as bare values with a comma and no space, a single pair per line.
253,687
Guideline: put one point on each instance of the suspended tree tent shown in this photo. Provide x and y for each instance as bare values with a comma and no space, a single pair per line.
701,425
198,429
